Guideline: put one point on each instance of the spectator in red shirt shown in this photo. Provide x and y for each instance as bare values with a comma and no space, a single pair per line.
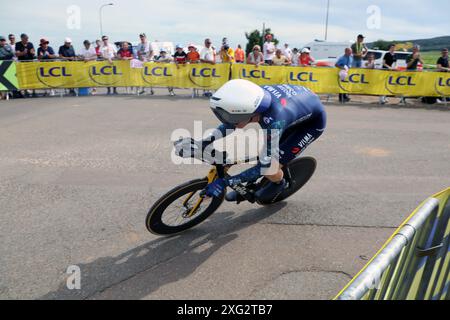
305,59
97,48
125,53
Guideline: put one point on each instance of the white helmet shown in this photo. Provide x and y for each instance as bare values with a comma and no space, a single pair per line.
238,101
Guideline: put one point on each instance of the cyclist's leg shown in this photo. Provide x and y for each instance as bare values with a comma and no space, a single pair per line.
298,141
291,147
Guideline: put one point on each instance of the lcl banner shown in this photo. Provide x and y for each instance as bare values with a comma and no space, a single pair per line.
358,81
43,75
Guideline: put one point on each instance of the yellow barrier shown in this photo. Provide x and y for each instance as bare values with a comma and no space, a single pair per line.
414,264
42,75
359,81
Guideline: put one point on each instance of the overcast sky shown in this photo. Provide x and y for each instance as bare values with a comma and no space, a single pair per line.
294,21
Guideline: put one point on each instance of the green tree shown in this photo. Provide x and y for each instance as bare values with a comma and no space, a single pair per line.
381,45
255,37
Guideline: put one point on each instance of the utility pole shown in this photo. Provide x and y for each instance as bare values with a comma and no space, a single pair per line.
326,23
101,17
263,34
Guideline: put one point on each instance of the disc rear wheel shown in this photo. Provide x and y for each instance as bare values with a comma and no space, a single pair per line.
301,171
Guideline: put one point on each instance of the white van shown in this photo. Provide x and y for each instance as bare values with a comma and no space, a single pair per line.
327,53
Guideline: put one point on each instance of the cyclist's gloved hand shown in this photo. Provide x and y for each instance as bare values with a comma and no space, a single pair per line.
217,188
187,148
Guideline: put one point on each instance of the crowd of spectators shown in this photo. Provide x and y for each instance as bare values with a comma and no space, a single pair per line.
356,56
103,49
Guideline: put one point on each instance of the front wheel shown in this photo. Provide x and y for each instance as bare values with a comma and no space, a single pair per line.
301,171
181,209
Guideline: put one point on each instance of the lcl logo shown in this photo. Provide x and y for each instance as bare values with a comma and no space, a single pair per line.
53,77
204,73
357,78
355,82
204,77
105,75
157,72
398,84
55,72
401,81
254,74
442,82
106,71
302,77
443,86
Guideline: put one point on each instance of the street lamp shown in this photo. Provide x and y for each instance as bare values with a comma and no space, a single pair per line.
100,14
326,23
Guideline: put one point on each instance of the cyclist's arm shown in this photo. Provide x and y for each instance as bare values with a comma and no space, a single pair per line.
221,132
270,154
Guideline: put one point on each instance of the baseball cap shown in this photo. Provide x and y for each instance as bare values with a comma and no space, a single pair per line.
191,45
142,35
178,47
44,41
306,50
416,46
68,40
445,50
361,36
2,38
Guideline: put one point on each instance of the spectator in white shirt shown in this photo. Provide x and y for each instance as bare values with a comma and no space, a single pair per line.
207,54
269,50
144,49
145,53
165,58
88,53
370,63
286,51
108,52
295,57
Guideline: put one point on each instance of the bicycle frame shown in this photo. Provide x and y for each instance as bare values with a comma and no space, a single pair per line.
219,171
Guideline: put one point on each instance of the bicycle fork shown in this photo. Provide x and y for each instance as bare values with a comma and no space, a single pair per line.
212,175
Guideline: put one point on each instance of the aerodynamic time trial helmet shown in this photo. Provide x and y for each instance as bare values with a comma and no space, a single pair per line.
238,101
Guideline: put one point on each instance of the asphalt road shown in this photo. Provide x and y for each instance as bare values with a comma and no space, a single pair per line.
78,175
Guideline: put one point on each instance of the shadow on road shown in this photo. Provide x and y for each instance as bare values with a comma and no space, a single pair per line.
144,269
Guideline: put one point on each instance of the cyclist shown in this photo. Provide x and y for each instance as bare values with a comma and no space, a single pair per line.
293,114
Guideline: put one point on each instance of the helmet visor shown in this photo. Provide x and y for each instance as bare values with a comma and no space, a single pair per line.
228,118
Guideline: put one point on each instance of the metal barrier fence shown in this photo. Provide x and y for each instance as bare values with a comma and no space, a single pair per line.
322,80
415,262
